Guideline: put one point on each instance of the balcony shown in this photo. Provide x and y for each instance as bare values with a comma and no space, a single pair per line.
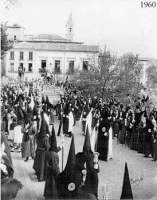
42,70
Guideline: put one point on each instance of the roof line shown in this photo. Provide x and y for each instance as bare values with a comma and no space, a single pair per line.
50,41
52,50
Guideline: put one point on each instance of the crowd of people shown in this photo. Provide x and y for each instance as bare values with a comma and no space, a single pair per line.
27,122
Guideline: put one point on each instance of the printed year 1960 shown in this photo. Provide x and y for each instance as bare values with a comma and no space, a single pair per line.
146,4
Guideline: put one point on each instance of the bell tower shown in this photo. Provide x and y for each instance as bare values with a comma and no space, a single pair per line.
69,29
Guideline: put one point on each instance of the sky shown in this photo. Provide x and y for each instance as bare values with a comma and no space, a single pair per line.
122,25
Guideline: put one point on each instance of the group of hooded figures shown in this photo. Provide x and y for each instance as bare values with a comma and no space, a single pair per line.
133,125
29,123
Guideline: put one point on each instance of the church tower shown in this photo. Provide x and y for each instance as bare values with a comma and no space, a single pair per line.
69,29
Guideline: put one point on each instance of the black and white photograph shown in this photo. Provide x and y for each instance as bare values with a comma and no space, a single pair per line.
78,99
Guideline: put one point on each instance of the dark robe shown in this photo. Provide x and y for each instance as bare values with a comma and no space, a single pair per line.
67,186
50,191
28,146
85,113
102,146
91,182
155,146
19,114
40,158
148,147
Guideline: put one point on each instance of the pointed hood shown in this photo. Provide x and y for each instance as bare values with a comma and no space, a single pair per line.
35,111
126,189
67,109
48,103
43,100
71,161
44,129
87,147
86,108
44,107
47,100
20,102
87,144
69,180
53,141
59,128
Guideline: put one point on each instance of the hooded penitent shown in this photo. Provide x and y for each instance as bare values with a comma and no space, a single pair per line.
50,191
66,119
91,182
103,137
85,113
53,142
48,103
60,126
43,100
44,129
126,188
35,112
69,180
87,147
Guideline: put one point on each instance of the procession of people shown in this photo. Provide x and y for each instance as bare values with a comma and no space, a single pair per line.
27,122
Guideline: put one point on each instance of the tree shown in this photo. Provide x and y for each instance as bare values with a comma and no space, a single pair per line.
110,75
152,76
11,3
99,77
128,77
5,43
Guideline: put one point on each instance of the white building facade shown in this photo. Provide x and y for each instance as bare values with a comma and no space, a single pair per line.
36,54
62,62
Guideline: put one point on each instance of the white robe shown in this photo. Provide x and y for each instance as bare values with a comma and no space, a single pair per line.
71,122
93,139
110,148
89,123
18,135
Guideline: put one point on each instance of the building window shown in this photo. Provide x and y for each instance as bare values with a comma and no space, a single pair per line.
21,55
30,55
11,55
21,66
85,65
57,66
71,66
30,67
11,69
43,64
14,37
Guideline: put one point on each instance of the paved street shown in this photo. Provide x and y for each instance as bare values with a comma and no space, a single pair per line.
111,172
